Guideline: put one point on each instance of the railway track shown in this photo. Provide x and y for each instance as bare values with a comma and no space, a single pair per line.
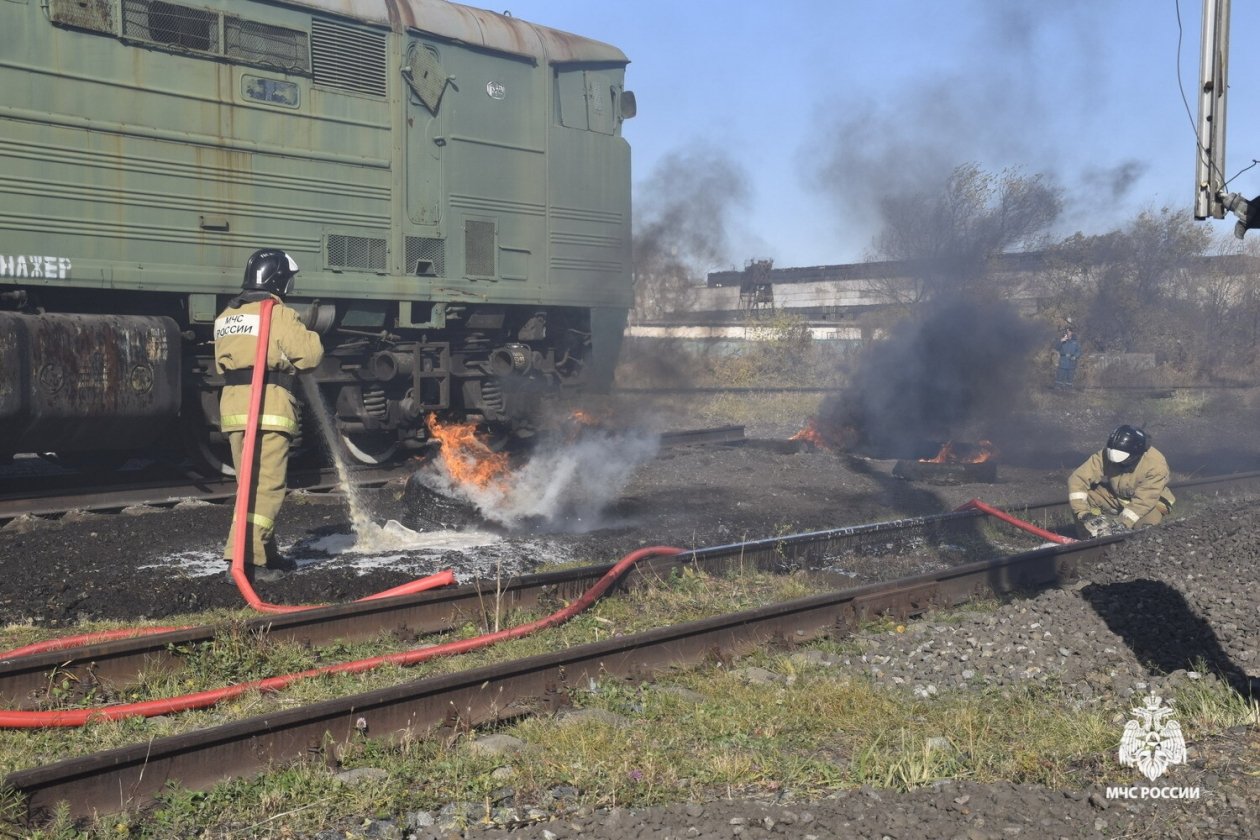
56,495
129,777
1136,391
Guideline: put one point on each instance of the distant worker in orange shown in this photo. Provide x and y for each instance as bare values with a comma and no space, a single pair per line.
1121,487
291,348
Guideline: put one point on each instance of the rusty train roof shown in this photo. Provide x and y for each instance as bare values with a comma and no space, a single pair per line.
477,27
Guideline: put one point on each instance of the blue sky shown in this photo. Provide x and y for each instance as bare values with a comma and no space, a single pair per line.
819,104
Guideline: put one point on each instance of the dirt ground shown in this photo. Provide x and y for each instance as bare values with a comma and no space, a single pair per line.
152,563
580,504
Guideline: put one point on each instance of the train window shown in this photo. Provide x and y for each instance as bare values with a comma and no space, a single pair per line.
271,91
588,99
571,95
600,95
171,25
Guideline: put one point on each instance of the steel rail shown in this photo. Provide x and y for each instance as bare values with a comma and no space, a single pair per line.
133,776
119,662
159,493
59,494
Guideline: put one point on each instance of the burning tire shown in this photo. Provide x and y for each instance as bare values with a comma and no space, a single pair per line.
949,472
956,463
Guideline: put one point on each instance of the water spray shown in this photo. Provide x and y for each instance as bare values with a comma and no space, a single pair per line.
368,536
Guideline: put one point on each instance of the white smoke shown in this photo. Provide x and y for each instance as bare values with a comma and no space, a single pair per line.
564,486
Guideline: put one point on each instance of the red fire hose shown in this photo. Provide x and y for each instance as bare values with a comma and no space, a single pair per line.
976,504
17,719
20,719
244,480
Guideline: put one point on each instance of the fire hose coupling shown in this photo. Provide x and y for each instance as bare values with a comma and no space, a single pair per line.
510,358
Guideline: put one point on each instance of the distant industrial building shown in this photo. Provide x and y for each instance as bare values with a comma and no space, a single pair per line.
843,303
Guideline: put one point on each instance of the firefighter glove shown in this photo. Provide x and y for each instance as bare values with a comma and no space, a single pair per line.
1103,526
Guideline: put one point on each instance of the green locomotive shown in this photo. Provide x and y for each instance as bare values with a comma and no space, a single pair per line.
453,183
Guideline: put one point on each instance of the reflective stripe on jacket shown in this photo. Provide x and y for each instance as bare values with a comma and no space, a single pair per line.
1139,489
291,347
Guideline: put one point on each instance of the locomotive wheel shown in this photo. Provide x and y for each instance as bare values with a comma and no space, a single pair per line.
210,458
369,448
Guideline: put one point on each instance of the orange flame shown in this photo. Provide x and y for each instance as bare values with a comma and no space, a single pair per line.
584,418
963,453
825,436
579,422
467,458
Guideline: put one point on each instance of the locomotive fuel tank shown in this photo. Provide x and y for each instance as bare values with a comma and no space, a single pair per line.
70,382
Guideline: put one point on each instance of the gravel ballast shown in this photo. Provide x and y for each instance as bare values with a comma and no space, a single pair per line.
1167,607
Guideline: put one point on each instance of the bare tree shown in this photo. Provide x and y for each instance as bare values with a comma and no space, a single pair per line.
947,238
681,226
1133,290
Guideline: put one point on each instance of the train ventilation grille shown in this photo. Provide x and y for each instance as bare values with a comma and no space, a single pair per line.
357,252
270,46
479,248
426,257
171,25
187,29
348,58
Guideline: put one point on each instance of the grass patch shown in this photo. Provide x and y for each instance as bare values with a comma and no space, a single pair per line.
1210,704
697,735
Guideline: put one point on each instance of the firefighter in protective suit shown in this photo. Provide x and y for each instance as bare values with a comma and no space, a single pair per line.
1122,487
291,348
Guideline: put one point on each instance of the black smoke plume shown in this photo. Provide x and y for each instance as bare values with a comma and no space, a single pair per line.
681,225
956,372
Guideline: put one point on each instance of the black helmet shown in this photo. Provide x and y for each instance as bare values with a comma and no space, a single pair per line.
1126,445
270,270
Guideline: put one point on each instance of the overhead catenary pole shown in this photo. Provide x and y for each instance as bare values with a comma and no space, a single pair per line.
1209,174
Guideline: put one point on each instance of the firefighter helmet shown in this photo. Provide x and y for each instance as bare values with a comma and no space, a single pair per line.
1126,445
270,270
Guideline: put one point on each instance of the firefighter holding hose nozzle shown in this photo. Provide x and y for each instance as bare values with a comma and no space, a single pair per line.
1123,486
291,348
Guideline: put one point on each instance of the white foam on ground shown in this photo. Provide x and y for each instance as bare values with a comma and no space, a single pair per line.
394,536
392,545
382,546
192,563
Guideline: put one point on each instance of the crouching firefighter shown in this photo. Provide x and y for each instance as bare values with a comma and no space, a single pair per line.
291,348
1121,487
